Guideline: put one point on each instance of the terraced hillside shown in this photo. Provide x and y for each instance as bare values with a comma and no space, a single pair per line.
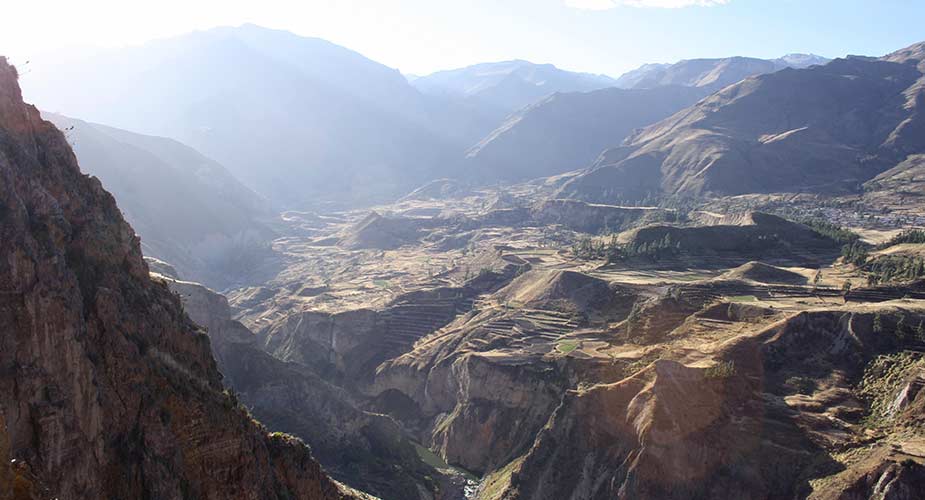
495,349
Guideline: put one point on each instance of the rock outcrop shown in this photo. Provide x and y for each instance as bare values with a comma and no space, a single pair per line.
107,389
762,420
479,389
366,450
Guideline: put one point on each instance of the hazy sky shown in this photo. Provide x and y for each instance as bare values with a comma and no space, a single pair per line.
421,36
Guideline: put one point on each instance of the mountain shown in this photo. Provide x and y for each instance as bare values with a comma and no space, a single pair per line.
188,210
819,129
299,120
713,74
108,390
566,131
509,85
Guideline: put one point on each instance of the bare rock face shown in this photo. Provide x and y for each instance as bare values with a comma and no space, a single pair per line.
480,389
741,427
365,450
879,477
107,389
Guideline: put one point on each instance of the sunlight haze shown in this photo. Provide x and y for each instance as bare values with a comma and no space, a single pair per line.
423,36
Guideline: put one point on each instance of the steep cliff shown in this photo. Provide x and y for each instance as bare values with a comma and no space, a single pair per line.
363,449
107,389
772,416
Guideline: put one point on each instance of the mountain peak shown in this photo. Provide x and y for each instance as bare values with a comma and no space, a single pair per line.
508,85
799,60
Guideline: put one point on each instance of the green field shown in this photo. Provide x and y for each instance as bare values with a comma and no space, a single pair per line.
567,346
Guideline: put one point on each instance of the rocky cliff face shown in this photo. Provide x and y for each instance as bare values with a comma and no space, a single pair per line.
480,389
107,390
363,449
766,420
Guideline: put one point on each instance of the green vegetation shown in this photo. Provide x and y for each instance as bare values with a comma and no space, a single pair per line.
721,370
883,377
855,253
567,346
743,298
381,283
890,268
282,436
497,482
909,236
894,268
833,231
590,249
432,459
878,323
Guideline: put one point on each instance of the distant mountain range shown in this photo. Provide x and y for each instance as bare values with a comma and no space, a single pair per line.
509,85
821,129
566,131
306,123
300,120
713,74
187,209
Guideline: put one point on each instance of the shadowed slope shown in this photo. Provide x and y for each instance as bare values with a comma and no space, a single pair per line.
108,390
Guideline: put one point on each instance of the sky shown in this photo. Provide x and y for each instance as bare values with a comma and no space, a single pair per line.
422,36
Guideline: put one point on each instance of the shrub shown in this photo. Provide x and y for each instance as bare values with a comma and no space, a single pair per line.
855,253
721,370
802,385
895,268
829,230
909,236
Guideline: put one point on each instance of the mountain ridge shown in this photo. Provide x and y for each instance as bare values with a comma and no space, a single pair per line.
819,129
212,219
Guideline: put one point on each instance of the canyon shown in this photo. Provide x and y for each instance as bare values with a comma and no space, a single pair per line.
700,280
